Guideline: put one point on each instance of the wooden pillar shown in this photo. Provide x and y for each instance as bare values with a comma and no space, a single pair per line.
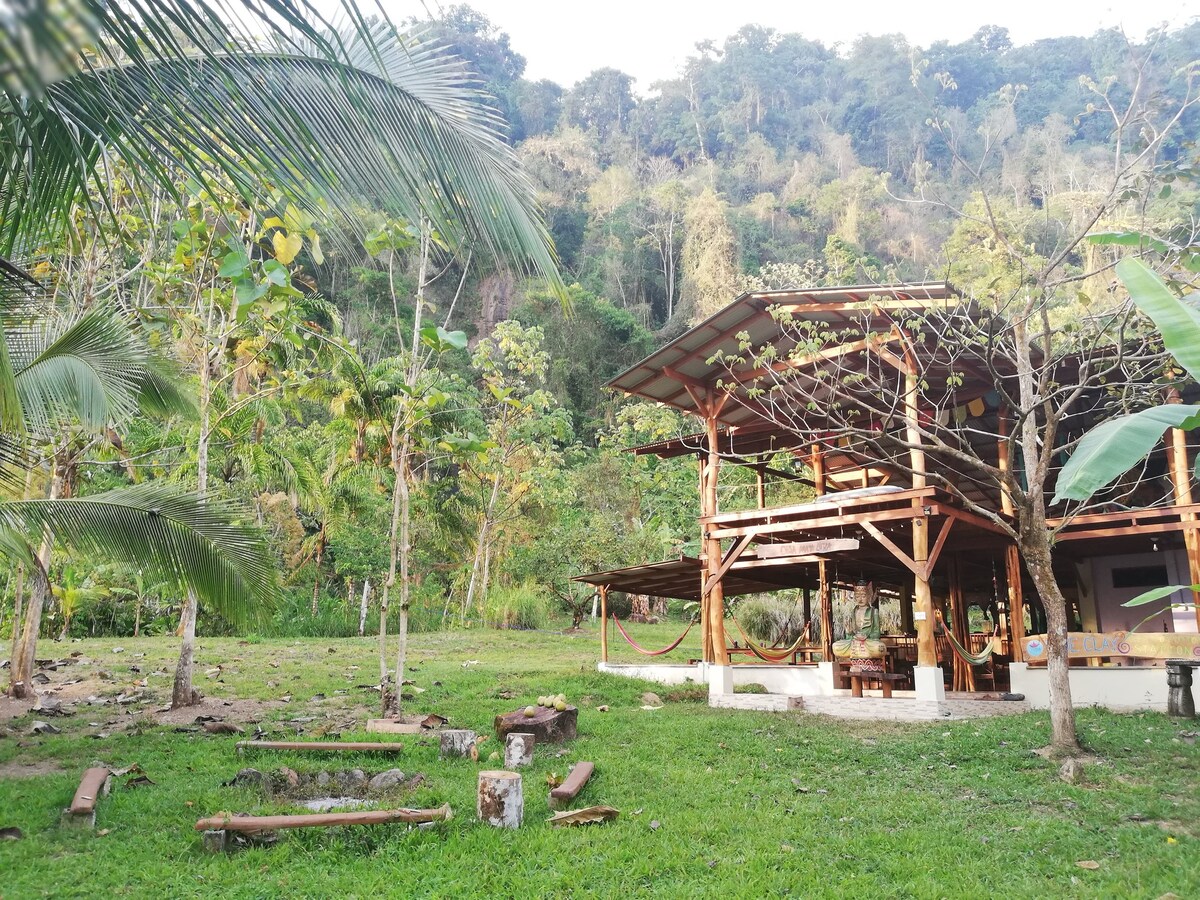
926,646
1181,483
706,653
712,551
808,608
604,623
761,483
816,462
1016,602
1003,459
906,609
825,596
964,672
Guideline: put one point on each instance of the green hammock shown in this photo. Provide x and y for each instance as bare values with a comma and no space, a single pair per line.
771,654
974,659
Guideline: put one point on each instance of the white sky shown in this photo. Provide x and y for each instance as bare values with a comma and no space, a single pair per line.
564,40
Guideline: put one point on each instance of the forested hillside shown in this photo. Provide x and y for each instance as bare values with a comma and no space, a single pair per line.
332,372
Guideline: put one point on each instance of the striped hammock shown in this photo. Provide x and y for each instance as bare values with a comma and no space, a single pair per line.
642,650
770,654
974,659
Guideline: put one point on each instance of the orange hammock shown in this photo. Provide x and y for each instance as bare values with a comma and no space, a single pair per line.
642,650
771,654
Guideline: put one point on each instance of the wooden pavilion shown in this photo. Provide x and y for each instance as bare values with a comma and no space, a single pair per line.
919,537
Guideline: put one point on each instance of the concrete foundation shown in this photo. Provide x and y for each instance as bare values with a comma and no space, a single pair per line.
1119,688
793,680
928,684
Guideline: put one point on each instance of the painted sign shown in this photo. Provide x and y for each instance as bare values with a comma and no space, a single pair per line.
806,548
1150,645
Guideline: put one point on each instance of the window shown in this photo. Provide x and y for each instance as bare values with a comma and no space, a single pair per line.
1140,577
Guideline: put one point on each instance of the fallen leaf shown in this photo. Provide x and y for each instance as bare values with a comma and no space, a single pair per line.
587,816
602,708
138,781
1088,864
554,779
40,727
651,708
222,728
103,831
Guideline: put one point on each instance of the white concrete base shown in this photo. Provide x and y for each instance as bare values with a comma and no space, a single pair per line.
792,680
1119,688
928,684
760,702
720,680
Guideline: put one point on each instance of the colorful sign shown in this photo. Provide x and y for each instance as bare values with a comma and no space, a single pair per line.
806,548
1117,644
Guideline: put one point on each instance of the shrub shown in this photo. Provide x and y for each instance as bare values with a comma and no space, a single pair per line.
524,606
771,620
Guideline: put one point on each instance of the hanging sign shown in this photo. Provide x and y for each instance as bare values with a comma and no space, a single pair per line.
1117,644
806,548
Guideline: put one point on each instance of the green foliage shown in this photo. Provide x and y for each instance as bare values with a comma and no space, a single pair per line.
772,620
522,606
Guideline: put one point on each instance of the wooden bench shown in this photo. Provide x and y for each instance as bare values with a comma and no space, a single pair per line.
565,792
217,828
92,786
885,679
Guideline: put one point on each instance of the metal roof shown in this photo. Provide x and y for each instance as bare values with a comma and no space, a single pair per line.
665,375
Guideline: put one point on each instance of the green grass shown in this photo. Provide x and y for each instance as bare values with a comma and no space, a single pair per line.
713,802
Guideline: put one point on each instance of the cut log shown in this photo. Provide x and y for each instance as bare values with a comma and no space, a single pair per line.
518,749
566,792
92,786
321,746
501,802
457,742
250,824
548,726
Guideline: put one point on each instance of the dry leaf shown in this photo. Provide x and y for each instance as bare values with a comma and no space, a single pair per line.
103,831
1088,864
138,781
651,708
554,779
602,708
222,728
588,816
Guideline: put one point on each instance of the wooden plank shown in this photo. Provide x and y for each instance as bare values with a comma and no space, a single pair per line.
1118,645
1130,515
567,791
835,521
91,786
323,820
937,546
1160,528
807,548
781,512
323,746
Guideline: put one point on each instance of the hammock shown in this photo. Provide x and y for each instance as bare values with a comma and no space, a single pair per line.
974,659
770,654
642,650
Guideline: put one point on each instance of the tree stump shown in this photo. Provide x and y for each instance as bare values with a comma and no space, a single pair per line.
501,802
518,749
457,742
547,725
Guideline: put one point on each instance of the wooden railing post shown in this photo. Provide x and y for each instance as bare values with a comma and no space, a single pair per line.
604,623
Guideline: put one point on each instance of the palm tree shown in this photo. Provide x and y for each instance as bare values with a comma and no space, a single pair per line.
271,95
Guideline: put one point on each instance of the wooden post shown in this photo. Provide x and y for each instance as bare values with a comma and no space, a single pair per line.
1003,460
926,646
604,623
964,672
825,595
1016,602
706,652
816,462
712,551
906,609
518,749
1181,482
808,608
500,802
761,484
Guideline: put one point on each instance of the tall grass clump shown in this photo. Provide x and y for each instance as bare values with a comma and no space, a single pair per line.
771,619
520,606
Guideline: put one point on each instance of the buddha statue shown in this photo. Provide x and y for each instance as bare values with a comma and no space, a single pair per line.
862,645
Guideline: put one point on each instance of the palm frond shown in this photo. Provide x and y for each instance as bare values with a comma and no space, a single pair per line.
364,117
195,542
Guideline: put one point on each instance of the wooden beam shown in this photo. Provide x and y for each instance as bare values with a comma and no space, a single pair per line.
798,362
730,558
917,569
834,521
713,589
937,547
1016,603
825,595
778,512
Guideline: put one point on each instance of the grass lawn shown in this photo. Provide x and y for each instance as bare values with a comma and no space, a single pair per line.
713,803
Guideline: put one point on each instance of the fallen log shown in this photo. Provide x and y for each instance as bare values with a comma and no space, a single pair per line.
323,820
82,810
331,746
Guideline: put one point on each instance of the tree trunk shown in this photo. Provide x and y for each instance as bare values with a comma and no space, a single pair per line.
18,601
402,488
501,802
362,607
21,667
1036,554
317,575
137,617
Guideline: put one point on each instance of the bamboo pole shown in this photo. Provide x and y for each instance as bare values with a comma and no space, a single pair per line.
825,594
706,652
604,623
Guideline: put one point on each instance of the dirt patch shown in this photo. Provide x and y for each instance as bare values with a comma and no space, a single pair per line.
239,711
10,708
16,768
